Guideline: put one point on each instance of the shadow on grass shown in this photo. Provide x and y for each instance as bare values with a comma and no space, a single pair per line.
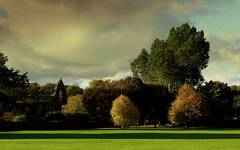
168,129
121,136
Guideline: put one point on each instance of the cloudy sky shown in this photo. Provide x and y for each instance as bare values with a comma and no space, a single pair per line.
85,39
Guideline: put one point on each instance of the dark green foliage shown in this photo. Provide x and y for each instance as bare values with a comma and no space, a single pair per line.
153,101
157,100
236,90
55,116
177,60
72,90
236,102
98,97
76,121
33,90
236,107
98,101
19,118
219,100
12,82
140,66
48,89
5,99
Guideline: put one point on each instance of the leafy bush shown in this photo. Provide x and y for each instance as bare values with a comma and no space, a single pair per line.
56,116
19,118
8,116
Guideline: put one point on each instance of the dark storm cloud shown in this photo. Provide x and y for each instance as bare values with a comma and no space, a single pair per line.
116,7
80,38
126,7
86,38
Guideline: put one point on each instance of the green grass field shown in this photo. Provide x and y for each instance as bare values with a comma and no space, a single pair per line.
117,139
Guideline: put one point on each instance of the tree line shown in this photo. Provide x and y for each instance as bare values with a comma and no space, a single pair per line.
167,88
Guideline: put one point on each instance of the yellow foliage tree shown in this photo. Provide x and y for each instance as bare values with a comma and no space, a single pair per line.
74,105
8,116
189,107
124,112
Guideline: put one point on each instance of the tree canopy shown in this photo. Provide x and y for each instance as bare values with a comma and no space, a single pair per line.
219,98
74,105
124,112
73,90
189,108
178,59
9,78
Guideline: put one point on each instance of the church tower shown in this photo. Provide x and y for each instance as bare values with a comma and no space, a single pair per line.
59,96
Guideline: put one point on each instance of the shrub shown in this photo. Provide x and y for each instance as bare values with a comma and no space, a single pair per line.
77,121
8,116
124,112
19,118
55,116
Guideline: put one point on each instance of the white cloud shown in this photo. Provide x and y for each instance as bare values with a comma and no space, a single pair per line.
119,75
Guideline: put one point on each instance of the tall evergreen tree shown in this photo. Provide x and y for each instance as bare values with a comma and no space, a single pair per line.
11,79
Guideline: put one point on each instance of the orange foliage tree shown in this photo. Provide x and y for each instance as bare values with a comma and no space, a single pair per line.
189,107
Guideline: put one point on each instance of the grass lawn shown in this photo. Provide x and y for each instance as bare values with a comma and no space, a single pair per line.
117,139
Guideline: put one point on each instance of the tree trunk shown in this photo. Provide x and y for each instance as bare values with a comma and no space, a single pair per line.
155,125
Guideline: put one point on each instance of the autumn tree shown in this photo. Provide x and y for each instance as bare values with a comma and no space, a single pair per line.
124,112
74,105
152,100
98,97
189,107
178,59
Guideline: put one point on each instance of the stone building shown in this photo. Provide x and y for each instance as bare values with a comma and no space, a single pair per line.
38,104
51,103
